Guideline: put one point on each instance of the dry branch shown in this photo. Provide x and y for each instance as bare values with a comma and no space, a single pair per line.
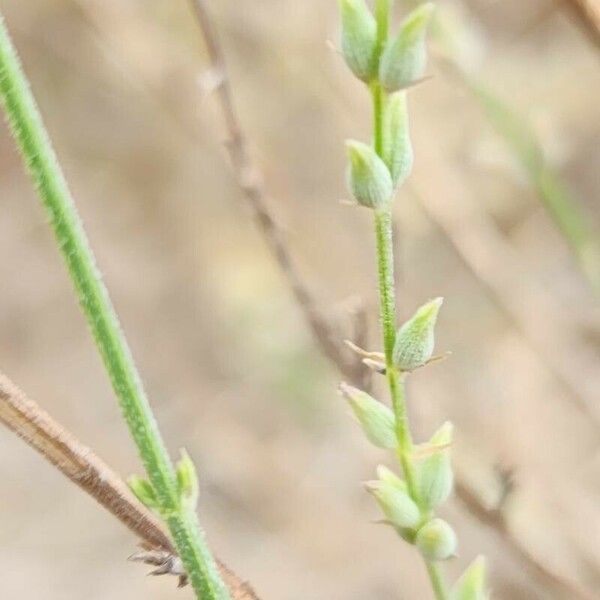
249,179
587,13
84,468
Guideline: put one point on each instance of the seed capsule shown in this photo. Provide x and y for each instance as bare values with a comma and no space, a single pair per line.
369,179
359,38
398,507
398,151
375,418
472,584
434,474
436,540
404,59
415,340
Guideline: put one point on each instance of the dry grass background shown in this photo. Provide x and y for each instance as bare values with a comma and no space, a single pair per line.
228,362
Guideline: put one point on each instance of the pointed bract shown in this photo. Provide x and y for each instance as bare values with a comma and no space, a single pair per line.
405,57
472,584
187,481
398,150
415,339
436,540
368,177
386,475
434,473
359,38
398,507
375,418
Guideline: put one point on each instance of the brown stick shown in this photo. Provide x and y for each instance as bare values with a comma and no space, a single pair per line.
587,13
495,519
249,179
84,468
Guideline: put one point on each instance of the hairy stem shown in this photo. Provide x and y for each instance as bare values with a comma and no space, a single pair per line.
30,134
437,581
387,295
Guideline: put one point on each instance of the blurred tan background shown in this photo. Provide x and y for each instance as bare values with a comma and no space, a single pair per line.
231,368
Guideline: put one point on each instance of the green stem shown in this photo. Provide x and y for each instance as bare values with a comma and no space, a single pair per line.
437,580
378,95
30,134
387,296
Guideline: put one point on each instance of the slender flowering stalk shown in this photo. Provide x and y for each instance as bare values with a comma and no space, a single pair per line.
171,490
408,503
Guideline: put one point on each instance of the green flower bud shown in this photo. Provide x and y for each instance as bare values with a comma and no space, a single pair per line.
187,481
387,476
404,59
359,38
398,507
472,584
434,474
436,540
375,418
369,179
143,491
415,339
398,151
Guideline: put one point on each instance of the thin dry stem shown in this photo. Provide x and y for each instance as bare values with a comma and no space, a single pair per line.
84,468
587,13
249,179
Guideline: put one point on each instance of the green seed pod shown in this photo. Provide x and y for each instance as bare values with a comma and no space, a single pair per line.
404,59
387,476
187,481
398,507
359,38
436,540
398,150
143,491
472,584
415,340
434,474
375,418
369,179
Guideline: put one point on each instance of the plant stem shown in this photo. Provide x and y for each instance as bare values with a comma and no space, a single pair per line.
387,295
31,136
437,580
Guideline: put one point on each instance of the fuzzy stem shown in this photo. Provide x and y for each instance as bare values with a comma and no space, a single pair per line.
437,580
387,295
30,134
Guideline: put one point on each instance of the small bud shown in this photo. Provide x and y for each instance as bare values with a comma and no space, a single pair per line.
472,584
359,38
398,151
368,177
398,507
387,476
375,418
415,339
434,473
143,491
187,481
404,59
436,540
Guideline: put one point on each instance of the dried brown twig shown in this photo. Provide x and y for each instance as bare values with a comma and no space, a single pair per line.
587,13
249,179
84,468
